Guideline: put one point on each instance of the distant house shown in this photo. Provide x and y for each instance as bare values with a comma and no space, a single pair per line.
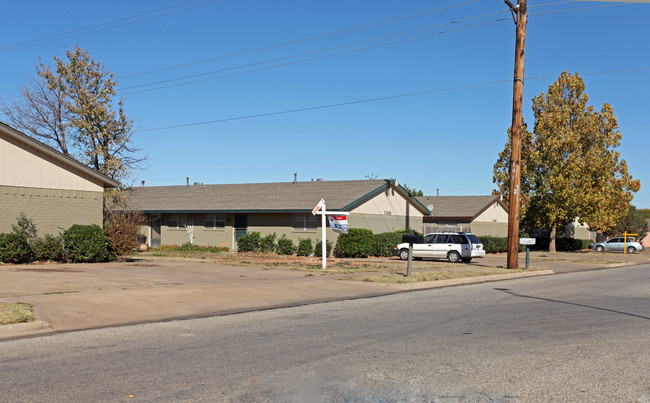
220,214
55,191
481,215
646,240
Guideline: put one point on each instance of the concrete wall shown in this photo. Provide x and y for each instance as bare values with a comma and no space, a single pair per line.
22,166
52,210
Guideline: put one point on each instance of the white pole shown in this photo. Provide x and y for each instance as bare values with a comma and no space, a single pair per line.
324,245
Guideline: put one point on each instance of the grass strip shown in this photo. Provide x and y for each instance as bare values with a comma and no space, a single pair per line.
434,275
15,312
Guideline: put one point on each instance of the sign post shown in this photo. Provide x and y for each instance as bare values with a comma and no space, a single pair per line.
527,242
338,222
625,235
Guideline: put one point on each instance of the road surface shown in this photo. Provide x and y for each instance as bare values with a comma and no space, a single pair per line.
571,337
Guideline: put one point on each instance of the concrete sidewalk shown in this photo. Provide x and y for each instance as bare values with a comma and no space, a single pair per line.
68,297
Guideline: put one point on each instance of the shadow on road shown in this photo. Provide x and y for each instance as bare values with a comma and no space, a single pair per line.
514,294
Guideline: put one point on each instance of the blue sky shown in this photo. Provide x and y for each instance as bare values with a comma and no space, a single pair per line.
446,140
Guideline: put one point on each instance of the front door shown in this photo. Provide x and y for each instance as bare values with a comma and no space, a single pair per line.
241,225
154,223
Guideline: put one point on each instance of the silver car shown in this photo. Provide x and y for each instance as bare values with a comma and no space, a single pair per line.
617,244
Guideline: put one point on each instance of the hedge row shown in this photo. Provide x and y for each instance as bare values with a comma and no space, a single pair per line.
79,243
356,243
493,244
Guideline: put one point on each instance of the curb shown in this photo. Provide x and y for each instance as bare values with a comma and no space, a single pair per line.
16,330
469,280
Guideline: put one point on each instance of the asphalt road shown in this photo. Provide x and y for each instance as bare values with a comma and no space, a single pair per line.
571,337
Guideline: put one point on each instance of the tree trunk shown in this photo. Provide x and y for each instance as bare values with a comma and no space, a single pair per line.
551,245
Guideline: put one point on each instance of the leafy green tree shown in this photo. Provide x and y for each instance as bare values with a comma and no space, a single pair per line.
645,212
570,167
71,107
632,223
413,192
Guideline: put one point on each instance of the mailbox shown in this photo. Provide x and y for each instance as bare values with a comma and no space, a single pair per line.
411,239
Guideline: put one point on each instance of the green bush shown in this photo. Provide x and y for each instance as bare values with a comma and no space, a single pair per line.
383,243
249,242
85,243
48,248
318,249
495,244
25,226
357,242
561,244
285,246
305,247
267,244
15,249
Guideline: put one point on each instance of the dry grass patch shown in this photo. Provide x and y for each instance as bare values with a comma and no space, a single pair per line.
15,313
436,275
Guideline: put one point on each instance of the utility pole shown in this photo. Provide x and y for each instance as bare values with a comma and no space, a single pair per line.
520,17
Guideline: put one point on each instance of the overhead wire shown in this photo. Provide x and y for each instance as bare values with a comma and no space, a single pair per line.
330,48
412,94
78,32
292,42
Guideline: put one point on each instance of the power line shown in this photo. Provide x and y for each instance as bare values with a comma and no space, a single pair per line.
310,59
317,51
412,94
79,32
297,40
580,8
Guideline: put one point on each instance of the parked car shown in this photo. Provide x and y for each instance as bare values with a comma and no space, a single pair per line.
617,244
453,246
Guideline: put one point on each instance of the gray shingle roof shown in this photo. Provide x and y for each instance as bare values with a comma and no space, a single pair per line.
457,207
281,196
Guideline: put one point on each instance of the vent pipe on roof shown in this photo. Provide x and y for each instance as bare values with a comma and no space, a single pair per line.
143,183
295,178
437,192
187,181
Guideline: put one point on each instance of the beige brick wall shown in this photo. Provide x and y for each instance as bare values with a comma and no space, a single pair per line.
52,210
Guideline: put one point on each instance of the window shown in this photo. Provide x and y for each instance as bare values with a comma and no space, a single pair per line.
443,238
430,238
177,220
213,221
304,222
172,220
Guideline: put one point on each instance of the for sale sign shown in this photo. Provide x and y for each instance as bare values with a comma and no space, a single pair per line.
338,223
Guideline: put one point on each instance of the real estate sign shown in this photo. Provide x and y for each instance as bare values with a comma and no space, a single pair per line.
338,223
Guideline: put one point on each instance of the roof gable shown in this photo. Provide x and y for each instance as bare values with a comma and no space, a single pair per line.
42,150
459,207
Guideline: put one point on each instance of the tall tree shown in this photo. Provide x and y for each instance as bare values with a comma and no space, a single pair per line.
569,166
632,223
71,107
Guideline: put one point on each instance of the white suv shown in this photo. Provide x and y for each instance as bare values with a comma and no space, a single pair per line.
453,246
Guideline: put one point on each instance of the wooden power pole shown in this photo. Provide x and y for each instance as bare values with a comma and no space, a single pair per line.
519,14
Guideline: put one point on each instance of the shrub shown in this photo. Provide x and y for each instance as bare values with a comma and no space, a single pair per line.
305,247
318,249
285,246
249,242
15,249
357,242
48,248
267,244
25,226
383,243
495,244
122,231
85,243
561,244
